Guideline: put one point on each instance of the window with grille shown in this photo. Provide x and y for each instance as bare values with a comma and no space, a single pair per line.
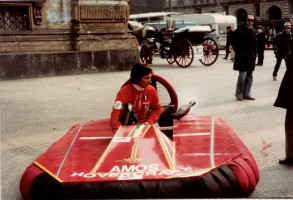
13,18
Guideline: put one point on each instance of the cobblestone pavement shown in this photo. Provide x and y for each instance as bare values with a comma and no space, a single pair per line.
37,112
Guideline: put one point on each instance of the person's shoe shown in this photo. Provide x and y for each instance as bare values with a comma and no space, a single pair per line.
286,161
274,78
225,58
248,98
239,98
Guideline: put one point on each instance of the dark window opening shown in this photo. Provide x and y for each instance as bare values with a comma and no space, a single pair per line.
257,9
14,18
275,13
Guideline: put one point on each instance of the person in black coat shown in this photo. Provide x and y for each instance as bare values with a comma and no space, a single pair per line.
261,42
228,41
281,47
285,100
244,45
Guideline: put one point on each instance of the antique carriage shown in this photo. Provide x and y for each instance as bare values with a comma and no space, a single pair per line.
179,44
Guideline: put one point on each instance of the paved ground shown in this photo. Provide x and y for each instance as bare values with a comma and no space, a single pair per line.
37,112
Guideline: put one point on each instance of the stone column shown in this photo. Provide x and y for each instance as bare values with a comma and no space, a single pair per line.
101,25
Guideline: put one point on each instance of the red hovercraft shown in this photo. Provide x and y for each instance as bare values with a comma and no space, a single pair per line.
184,156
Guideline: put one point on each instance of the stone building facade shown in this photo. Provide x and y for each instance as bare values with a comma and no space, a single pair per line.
53,37
268,12
145,6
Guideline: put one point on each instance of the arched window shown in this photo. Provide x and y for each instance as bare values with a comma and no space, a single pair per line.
275,13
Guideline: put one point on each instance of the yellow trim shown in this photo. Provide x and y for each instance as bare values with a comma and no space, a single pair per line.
131,131
133,155
173,154
104,154
118,129
171,165
148,127
47,171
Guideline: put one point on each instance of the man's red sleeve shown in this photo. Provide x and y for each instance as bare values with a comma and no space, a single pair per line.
156,108
121,98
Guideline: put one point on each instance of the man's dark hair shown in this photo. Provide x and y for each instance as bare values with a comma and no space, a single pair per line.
138,71
228,27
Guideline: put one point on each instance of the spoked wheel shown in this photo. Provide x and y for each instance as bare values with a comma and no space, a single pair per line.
183,53
146,55
170,59
210,52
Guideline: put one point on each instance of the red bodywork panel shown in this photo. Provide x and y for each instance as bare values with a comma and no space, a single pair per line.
88,153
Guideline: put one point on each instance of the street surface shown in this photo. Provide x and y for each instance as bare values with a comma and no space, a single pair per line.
37,112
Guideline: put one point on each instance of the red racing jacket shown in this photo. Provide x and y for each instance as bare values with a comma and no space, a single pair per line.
142,100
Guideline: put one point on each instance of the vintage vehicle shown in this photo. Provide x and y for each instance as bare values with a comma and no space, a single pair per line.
217,22
183,156
177,25
153,16
177,44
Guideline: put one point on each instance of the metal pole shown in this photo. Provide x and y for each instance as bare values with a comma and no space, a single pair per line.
170,5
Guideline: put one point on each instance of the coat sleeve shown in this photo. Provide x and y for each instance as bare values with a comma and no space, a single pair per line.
276,42
285,94
236,42
121,98
156,108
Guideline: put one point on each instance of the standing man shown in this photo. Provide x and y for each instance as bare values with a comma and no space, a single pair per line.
245,55
261,42
281,47
228,41
285,100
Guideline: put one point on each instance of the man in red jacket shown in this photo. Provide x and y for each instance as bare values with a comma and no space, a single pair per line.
141,95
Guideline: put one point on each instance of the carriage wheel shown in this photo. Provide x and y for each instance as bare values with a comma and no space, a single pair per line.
210,52
170,59
183,53
145,55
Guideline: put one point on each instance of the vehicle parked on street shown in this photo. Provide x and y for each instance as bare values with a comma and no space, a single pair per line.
175,44
217,22
153,16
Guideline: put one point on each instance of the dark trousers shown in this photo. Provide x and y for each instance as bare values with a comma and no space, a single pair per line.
277,66
227,50
289,133
260,56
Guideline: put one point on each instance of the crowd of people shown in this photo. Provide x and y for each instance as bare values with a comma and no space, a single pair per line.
249,43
